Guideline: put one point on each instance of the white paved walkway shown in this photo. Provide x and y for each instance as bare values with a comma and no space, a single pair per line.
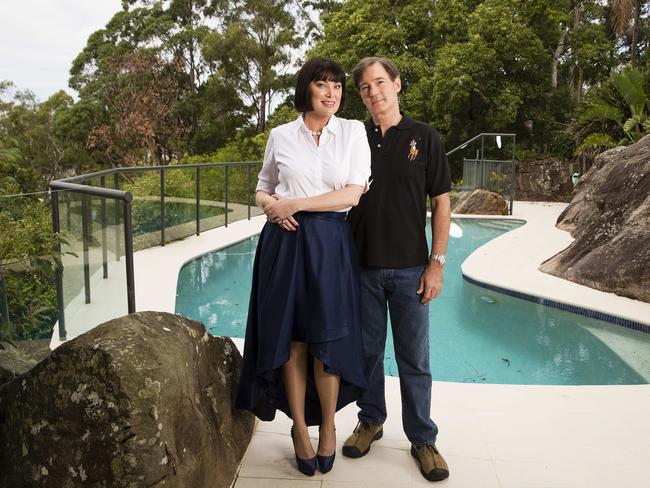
507,436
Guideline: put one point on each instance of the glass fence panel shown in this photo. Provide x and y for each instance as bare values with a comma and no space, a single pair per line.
180,203
487,163
145,207
249,198
213,197
94,271
28,311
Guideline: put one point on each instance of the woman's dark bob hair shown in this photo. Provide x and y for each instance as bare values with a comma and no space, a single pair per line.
317,69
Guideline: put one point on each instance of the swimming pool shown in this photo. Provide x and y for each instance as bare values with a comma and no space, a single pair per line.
476,335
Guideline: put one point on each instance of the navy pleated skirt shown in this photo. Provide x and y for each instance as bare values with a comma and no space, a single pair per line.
306,289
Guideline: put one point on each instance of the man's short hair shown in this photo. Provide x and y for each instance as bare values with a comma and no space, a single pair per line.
361,66
317,69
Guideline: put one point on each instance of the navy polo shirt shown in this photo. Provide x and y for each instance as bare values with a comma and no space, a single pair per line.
388,225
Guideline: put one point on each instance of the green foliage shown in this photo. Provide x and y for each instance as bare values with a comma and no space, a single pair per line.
28,254
617,110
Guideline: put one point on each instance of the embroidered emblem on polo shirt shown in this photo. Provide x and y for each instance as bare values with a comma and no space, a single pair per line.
413,150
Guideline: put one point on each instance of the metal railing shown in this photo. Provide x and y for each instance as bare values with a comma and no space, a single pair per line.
489,173
80,185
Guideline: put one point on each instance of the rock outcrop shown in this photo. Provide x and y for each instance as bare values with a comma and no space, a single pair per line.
480,202
609,217
143,400
544,180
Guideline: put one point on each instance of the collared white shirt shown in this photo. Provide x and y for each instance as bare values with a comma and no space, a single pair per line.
295,166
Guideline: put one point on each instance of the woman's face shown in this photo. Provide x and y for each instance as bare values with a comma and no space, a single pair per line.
325,97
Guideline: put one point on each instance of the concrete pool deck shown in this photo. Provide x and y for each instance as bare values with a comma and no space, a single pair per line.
519,436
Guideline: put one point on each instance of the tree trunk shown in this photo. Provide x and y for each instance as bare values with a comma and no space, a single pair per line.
635,30
555,59
261,120
579,87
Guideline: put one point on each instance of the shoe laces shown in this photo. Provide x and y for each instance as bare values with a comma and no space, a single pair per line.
429,447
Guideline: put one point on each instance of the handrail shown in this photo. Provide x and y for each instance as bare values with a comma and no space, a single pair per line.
125,196
137,169
482,134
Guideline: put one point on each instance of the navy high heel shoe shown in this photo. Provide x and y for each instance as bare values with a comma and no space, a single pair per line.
305,466
325,463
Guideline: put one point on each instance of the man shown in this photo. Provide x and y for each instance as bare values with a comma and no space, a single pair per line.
397,273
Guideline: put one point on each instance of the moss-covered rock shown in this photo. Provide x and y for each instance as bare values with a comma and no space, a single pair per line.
143,400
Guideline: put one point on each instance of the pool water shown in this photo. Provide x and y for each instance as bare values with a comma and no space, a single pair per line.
476,335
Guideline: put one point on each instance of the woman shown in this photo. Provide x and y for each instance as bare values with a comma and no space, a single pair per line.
302,353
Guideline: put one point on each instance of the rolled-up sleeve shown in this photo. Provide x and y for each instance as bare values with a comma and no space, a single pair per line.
359,157
267,180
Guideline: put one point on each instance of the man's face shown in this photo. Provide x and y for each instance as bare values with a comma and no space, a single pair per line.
378,91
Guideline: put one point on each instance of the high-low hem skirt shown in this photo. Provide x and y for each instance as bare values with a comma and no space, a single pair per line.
306,289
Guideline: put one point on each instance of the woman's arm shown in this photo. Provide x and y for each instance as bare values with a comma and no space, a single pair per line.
262,199
327,202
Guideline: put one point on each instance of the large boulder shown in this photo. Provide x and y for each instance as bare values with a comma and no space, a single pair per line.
543,180
481,202
143,400
13,362
609,217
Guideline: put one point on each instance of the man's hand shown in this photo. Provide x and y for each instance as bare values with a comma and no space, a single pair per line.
430,282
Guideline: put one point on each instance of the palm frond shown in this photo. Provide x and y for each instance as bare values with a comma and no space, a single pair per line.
630,84
599,111
594,143
623,12
635,123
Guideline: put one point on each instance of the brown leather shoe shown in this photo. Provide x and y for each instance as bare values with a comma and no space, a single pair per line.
432,465
358,444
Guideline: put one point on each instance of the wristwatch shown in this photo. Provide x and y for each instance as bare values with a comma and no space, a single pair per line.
439,258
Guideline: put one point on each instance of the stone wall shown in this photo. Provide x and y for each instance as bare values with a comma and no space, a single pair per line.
543,180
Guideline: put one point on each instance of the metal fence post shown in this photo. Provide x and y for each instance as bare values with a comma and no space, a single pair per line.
198,201
248,191
225,184
104,223
162,207
116,180
128,255
4,305
86,238
68,217
56,227
513,182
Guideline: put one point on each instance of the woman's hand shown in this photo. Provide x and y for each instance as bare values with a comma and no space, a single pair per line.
281,212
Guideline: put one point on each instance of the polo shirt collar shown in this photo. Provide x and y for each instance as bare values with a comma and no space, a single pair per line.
333,126
404,124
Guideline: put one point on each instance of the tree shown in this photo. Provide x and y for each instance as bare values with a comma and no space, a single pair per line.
252,52
140,103
172,31
32,130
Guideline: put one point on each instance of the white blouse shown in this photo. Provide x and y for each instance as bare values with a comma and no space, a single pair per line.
295,166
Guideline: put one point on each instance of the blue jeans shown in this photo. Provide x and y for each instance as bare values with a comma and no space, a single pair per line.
394,290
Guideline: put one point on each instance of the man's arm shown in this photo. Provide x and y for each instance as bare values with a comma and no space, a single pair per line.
431,281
